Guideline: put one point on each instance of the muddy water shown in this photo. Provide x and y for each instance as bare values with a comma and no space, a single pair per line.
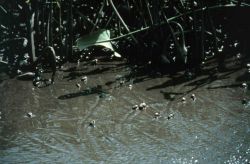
214,128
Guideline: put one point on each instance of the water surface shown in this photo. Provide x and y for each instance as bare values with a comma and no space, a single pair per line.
214,128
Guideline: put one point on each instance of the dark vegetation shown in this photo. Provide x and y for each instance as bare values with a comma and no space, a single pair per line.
166,35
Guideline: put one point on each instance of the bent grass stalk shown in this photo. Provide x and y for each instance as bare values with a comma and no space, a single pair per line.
122,21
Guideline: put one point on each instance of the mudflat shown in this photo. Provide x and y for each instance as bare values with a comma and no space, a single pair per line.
99,119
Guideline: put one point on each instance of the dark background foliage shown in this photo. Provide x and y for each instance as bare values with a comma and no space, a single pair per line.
210,29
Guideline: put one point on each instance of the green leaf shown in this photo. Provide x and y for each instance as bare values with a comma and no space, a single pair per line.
100,37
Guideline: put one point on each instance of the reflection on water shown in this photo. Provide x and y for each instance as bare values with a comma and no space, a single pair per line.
214,128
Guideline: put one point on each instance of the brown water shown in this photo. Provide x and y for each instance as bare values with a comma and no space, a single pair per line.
213,129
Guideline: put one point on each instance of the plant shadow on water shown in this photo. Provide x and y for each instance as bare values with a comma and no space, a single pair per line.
211,78
75,75
86,92
207,77
225,86
170,95
243,77
75,72
3,71
174,81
